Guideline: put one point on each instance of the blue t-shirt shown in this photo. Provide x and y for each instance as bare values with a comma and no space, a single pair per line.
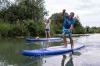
67,22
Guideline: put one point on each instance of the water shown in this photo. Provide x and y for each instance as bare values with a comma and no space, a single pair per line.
10,53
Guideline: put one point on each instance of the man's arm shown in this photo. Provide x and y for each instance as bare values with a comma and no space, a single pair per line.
71,27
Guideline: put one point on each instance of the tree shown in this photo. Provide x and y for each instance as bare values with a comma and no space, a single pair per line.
57,18
78,28
23,10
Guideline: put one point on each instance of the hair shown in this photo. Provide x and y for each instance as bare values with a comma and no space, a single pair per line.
49,20
72,13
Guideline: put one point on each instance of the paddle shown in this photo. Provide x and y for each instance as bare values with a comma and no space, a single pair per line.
72,50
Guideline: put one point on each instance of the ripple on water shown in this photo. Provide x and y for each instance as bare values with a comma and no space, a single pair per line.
90,55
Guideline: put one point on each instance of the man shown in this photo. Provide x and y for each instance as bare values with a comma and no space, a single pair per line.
67,27
87,29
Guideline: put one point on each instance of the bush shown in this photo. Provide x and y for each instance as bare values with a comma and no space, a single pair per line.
4,29
56,28
35,28
18,31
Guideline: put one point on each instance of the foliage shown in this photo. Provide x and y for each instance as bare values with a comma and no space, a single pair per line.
34,28
57,18
94,29
4,28
78,28
56,28
23,10
18,30
28,27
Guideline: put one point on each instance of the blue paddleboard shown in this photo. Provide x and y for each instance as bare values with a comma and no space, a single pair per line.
51,50
43,39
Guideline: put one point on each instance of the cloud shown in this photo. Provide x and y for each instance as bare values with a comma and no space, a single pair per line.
87,10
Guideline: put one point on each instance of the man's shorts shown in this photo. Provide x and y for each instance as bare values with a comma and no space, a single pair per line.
47,29
65,31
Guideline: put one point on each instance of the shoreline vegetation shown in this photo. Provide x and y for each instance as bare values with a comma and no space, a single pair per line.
29,28
55,35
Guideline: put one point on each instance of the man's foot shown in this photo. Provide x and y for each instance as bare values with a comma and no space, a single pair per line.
65,45
72,47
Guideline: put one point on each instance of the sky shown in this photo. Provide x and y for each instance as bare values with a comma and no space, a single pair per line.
87,10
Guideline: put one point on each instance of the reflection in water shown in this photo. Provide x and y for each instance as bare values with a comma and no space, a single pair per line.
45,44
38,61
69,63
63,60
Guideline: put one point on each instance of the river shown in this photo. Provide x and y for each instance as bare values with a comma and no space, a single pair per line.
11,48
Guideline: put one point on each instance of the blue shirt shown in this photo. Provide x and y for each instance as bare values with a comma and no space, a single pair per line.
67,22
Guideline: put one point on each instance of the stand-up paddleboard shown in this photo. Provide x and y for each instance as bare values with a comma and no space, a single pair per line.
43,39
34,42
51,50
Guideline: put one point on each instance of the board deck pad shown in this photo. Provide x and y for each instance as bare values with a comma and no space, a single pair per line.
55,50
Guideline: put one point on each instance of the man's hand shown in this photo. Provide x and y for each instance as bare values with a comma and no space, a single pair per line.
68,30
64,10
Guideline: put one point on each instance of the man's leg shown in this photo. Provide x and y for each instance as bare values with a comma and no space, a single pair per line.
64,32
64,39
71,41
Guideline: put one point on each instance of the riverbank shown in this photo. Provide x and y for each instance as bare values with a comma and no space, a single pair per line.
55,35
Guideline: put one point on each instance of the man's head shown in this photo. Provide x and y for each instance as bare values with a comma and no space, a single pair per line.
71,15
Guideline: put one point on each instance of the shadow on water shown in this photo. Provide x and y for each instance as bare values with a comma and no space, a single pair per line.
34,61
77,53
